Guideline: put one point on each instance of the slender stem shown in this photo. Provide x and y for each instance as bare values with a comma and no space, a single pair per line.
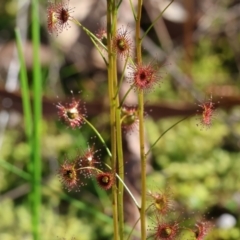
132,86
122,77
110,28
83,206
159,16
153,145
141,125
126,187
133,10
37,114
121,171
93,38
136,224
100,52
118,5
124,97
143,164
118,130
130,234
89,33
129,192
99,136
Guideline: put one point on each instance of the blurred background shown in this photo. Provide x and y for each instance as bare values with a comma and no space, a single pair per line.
198,43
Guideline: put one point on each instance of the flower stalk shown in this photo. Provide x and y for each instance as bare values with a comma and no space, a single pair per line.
141,124
111,82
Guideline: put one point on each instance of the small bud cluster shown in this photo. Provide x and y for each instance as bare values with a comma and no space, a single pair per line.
86,165
102,36
171,230
165,227
73,174
142,76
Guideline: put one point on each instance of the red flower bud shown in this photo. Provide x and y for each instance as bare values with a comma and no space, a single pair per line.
105,180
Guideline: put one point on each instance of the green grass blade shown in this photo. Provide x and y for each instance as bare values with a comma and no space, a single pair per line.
37,116
11,168
24,88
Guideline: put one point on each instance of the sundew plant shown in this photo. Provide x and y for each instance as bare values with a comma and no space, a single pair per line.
129,74
115,44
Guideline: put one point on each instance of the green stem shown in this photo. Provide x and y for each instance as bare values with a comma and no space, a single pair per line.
141,125
126,187
118,130
133,10
37,116
130,234
153,145
89,33
136,224
129,192
121,171
110,32
93,38
160,15
124,97
143,164
118,5
85,207
122,77
99,50
99,136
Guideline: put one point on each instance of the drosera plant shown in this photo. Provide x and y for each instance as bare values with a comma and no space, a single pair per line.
74,173
160,201
72,113
164,230
59,14
121,43
207,113
202,229
143,78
